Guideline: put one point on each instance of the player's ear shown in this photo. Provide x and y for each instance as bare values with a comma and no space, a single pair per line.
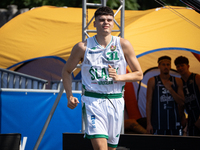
94,24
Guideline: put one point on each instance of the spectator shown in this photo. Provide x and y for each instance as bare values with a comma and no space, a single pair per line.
191,89
165,100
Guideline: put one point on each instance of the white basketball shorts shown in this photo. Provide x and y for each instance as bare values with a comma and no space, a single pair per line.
103,118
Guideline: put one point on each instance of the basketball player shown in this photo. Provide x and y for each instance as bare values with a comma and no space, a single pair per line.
191,89
164,96
104,60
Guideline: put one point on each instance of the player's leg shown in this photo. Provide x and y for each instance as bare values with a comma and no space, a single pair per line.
115,117
96,122
99,144
111,148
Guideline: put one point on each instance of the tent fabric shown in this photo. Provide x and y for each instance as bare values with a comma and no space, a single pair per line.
41,32
51,32
160,31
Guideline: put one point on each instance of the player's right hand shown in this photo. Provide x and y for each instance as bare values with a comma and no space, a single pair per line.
149,129
72,102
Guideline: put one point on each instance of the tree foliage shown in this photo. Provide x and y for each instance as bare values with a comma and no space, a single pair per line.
129,4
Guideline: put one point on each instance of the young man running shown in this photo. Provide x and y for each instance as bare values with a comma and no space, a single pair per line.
104,60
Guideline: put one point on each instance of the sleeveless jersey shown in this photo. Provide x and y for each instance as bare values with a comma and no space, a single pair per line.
192,99
164,114
94,68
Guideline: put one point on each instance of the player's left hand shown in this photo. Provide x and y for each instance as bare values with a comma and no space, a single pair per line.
112,73
168,85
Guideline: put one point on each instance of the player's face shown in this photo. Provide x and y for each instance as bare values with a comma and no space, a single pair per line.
182,68
104,23
165,67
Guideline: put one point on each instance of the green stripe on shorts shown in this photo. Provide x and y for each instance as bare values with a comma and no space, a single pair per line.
112,145
98,95
96,136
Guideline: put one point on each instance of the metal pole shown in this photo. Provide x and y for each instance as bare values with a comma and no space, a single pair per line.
103,2
50,116
122,18
83,19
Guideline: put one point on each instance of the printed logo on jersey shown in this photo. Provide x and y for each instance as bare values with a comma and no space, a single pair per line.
159,83
93,121
186,90
92,51
165,98
112,55
165,91
165,106
190,98
94,48
112,47
102,73
178,123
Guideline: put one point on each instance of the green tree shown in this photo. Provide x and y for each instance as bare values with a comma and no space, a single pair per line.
36,3
149,4
129,4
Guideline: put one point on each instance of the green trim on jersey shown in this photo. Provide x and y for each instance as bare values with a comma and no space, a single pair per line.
84,114
95,136
83,87
123,87
112,145
100,45
103,96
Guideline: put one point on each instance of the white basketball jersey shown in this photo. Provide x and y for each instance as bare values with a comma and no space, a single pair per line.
94,68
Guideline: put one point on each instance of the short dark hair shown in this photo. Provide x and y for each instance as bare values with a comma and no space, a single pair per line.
104,11
181,60
162,58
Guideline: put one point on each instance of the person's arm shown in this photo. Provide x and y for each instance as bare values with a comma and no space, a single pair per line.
179,96
181,104
181,109
136,74
76,56
197,80
150,89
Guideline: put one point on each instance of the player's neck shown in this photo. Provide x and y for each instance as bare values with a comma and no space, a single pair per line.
103,40
186,76
164,76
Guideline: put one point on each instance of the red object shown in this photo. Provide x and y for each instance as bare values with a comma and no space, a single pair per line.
131,102
197,56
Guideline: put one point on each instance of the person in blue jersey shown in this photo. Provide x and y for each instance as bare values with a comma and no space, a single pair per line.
104,60
165,101
191,89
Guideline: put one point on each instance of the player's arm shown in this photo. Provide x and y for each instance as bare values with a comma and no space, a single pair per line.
149,95
76,56
181,101
197,80
136,74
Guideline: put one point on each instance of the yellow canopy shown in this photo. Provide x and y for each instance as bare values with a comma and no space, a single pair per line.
163,31
41,32
51,32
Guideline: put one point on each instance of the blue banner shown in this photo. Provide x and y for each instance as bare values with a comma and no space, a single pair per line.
26,113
